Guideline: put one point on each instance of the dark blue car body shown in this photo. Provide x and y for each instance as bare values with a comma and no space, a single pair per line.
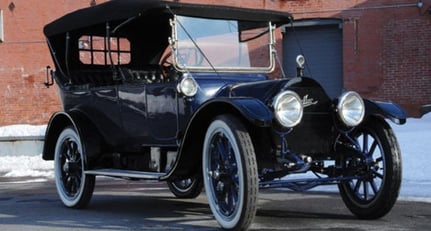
136,120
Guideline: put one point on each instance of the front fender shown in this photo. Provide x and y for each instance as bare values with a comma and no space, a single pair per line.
387,110
249,110
90,138
255,111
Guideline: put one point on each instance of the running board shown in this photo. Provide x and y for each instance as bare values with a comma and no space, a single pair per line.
126,173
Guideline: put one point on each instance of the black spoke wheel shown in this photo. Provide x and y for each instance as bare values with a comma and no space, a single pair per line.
187,187
376,190
73,186
230,173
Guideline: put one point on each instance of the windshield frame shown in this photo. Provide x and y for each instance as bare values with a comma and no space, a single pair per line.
174,44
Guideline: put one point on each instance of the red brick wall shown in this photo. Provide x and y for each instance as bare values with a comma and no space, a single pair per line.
385,53
386,50
24,56
406,67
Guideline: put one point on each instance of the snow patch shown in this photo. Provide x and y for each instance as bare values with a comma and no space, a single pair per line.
25,166
22,130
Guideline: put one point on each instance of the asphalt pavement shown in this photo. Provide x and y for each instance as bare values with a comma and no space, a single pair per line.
143,205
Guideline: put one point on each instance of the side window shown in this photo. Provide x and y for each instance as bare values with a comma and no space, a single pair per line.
94,50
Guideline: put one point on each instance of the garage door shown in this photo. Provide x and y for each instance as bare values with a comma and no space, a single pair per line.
320,41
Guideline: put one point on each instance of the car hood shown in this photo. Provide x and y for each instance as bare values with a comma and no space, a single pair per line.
263,90
310,91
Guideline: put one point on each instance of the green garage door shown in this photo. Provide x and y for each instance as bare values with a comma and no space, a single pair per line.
320,41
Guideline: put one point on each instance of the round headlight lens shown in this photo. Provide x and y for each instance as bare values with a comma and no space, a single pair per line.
188,86
351,108
288,109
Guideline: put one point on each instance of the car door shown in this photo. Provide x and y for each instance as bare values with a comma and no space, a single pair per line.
105,113
94,96
149,113
162,112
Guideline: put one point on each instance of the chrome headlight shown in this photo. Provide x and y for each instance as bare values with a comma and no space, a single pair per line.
351,108
188,86
288,109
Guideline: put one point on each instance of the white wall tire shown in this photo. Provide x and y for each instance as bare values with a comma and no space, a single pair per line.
74,188
230,173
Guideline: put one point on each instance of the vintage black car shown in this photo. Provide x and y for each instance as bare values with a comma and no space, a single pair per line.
182,93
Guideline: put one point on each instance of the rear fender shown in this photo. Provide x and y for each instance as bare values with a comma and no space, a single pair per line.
90,138
385,110
251,111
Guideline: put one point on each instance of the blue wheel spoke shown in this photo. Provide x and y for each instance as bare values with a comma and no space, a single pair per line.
373,147
221,149
357,186
229,155
380,159
377,174
72,149
374,186
365,190
223,162
365,144
230,198
214,158
66,153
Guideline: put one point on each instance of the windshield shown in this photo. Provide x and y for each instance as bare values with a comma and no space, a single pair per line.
222,45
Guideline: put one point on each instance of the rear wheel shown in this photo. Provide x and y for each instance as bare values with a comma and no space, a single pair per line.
230,173
186,188
73,186
375,192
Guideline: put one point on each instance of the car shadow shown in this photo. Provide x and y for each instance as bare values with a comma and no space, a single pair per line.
118,205
308,205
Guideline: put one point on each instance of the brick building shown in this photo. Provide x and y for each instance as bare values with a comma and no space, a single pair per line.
383,49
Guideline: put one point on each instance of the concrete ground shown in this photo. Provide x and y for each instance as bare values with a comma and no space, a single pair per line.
138,205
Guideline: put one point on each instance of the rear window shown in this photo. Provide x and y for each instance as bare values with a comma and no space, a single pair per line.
94,50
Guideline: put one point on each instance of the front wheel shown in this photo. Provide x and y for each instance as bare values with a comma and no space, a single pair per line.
230,173
73,186
376,190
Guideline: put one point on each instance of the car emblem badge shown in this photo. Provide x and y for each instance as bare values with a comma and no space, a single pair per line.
308,101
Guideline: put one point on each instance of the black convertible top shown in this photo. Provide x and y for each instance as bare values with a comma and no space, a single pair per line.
116,10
